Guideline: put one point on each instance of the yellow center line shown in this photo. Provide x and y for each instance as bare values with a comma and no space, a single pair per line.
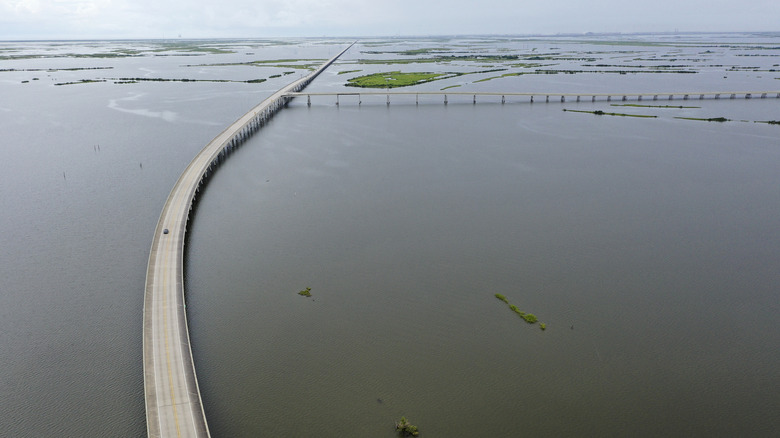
165,330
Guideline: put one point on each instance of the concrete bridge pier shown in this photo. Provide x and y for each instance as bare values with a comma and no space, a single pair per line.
655,97
503,100
733,96
308,99
748,96
639,98
475,100
671,97
609,98
717,96
701,97
416,99
445,99
388,100
593,98
563,99
763,95
532,99
625,98
578,98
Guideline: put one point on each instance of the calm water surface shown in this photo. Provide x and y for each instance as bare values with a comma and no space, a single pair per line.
649,247
655,239
76,220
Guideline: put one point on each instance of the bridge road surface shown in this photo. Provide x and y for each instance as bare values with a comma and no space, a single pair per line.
173,403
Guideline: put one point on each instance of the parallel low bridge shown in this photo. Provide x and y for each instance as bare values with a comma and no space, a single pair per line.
173,403
532,97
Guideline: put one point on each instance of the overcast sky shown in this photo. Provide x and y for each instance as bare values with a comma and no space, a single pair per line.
74,19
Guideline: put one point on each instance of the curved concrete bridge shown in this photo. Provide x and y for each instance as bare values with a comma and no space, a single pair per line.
173,403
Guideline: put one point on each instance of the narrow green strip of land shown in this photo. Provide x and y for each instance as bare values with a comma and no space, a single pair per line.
713,119
602,113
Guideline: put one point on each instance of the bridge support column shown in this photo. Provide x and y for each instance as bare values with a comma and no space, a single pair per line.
671,97
578,98
388,100
532,99
748,96
308,99
639,98
625,98
416,99
360,99
717,96
563,99
609,98
445,99
733,96
337,100
593,98
548,99
475,100
763,95
503,100
655,97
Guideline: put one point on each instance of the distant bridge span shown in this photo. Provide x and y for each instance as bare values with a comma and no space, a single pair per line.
538,96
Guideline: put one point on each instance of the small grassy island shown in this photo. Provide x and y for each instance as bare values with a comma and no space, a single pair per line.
394,79
405,428
530,318
305,293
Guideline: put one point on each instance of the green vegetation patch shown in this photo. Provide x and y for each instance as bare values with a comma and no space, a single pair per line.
349,71
405,428
712,119
530,318
395,79
769,122
55,69
451,86
602,113
499,77
305,293
445,59
412,52
83,81
135,80
306,64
